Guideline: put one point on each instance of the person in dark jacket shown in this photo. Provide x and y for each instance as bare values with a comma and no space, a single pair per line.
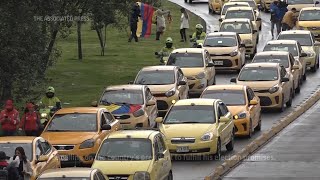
3,160
134,18
275,17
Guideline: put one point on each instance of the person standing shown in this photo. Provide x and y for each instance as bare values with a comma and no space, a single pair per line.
275,17
9,119
161,22
134,18
22,163
289,20
184,24
30,121
282,9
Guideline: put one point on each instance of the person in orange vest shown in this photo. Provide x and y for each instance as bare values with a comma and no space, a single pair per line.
9,119
30,121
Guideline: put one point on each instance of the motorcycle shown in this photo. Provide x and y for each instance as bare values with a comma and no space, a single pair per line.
163,57
196,43
45,115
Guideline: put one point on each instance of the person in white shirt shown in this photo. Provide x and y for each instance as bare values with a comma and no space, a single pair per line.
184,24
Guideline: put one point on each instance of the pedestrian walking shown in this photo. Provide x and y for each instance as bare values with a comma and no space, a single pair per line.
275,17
289,20
134,18
9,119
30,121
161,22
184,24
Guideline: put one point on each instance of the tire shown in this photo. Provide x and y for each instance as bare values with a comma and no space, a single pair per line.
217,155
258,128
289,103
250,129
281,109
230,145
170,176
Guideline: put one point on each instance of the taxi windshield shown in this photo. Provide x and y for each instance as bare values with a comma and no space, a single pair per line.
160,77
303,39
73,122
251,3
239,14
190,114
229,97
226,7
290,2
220,41
122,97
65,178
258,74
309,15
186,60
118,149
292,48
238,27
9,148
281,59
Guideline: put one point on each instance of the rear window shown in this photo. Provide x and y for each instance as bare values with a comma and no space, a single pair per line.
281,59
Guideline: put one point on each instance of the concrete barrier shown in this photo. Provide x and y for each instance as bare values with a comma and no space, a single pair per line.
260,141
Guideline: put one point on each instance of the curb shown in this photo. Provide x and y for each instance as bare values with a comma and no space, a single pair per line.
263,138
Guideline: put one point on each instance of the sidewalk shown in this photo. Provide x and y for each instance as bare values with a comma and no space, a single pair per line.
293,154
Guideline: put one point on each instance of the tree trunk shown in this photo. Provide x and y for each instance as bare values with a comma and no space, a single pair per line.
79,41
98,30
105,38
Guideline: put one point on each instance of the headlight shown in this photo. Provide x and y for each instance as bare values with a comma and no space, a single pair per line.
274,89
201,75
89,143
234,53
207,136
44,115
138,113
143,175
171,92
241,115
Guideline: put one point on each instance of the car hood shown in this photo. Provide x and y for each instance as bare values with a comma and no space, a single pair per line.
237,109
67,137
220,50
192,71
309,23
245,36
121,167
258,85
186,130
307,49
161,88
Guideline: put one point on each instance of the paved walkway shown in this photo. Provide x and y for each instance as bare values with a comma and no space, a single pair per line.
293,154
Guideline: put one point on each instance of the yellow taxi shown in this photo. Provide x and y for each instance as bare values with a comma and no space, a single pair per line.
252,3
246,30
196,64
242,103
78,132
132,105
309,19
244,12
286,60
294,48
299,4
308,43
41,154
228,5
198,127
73,174
271,83
226,50
216,5
166,83
134,155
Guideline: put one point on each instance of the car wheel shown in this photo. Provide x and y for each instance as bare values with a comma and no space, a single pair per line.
217,156
298,88
289,103
230,145
258,128
282,104
250,129
170,176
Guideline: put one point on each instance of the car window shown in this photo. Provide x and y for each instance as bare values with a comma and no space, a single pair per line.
156,146
292,60
46,147
250,96
239,39
312,37
161,144
223,110
251,93
238,27
240,14
109,117
283,72
100,176
39,148
96,177
148,95
103,119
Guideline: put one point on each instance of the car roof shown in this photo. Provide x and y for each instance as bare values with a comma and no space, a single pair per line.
126,87
79,110
17,139
237,3
240,8
188,50
310,8
145,134
270,53
236,20
67,172
155,68
226,87
264,64
282,42
295,32
199,102
222,34
241,0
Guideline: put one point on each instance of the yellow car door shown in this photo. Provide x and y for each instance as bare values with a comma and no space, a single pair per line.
165,158
225,128
115,125
158,160
286,86
254,110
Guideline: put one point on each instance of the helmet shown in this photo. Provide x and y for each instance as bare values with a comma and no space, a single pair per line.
169,40
199,26
50,89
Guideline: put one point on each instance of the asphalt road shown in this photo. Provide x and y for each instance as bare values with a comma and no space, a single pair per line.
195,170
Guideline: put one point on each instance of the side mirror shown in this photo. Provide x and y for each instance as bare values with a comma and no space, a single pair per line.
224,119
42,158
220,19
94,104
284,79
317,43
156,53
210,65
106,127
253,102
160,156
181,83
159,119
233,80
151,103
258,19
295,67
130,82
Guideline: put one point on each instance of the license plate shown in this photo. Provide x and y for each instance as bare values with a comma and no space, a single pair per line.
64,157
218,63
183,149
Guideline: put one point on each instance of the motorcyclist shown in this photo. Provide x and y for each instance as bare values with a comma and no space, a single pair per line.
166,50
199,34
50,99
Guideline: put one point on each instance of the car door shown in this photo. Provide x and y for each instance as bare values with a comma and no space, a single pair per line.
242,50
286,86
158,162
253,109
183,89
165,162
230,124
40,151
210,70
115,125
151,110
222,127
295,72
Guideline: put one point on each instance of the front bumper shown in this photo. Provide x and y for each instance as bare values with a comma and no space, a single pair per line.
129,121
228,62
77,157
197,148
242,127
268,100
